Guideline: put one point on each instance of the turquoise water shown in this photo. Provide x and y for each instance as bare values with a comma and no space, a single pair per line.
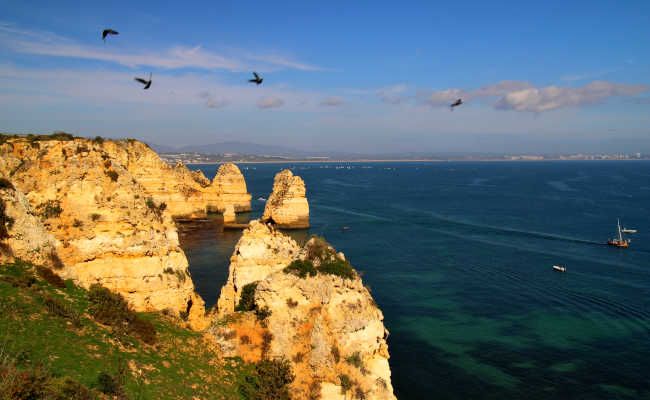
459,259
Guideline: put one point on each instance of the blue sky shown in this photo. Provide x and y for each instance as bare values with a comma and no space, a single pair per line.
353,76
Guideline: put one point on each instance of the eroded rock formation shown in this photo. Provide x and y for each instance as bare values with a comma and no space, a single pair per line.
325,323
228,188
107,227
287,205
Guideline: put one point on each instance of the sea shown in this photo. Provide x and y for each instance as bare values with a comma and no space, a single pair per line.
459,257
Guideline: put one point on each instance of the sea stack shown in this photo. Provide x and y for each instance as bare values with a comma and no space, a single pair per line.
287,205
228,188
306,305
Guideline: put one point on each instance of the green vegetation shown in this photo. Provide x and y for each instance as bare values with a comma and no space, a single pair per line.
156,209
50,209
301,268
95,217
111,309
336,267
112,174
82,148
269,380
346,383
247,299
98,140
355,360
50,277
52,346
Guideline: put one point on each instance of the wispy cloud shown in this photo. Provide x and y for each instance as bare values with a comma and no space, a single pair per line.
332,102
211,101
270,102
392,94
177,57
553,97
523,96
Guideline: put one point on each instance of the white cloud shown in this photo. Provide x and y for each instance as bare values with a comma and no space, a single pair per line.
392,94
50,44
522,96
211,101
553,97
332,102
270,102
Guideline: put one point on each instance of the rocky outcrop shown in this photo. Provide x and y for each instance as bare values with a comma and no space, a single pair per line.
108,228
177,187
228,188
22,235
324,322
287,205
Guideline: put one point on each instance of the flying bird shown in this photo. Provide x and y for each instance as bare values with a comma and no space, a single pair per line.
108,32
456,103
257,79
145,83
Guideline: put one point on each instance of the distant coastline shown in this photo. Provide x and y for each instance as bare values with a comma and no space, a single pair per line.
397,161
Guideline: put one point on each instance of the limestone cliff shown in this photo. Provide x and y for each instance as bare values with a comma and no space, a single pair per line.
177,187
228,188
324,321
107,228
22,235
287,205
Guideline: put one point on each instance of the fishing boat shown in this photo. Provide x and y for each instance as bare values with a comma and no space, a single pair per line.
558,268
619,242
627,230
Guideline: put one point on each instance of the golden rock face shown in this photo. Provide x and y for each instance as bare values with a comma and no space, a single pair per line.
287,205
228,188
106,226
326,326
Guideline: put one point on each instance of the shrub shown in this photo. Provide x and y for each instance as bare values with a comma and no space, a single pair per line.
77,223
291,303
317,248
50,209
111,309
107,164
69,389
57,307
184,315
50,277
346,383
156,209
58,135
267,337
19,282
55,261
169,270
268,380
336,354
301,268
112,174
95,217
262,313
82,149
26,384
6,184
247,299
98,140
244,339
355,360
107,384
338,268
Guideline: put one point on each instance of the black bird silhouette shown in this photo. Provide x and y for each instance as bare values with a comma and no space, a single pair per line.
456,103
145,83
257,79
108,32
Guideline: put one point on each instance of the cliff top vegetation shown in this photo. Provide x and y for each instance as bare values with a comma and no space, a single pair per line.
60,341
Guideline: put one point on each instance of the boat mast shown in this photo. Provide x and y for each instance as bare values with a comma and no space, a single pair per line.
620,237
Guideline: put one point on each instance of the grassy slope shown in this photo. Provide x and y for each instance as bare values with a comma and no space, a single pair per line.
178,366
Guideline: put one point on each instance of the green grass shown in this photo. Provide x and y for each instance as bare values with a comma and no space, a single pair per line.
177,366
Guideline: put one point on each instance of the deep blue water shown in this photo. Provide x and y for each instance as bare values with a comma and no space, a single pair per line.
459,259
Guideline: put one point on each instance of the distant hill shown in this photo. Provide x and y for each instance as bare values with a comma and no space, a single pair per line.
241,148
